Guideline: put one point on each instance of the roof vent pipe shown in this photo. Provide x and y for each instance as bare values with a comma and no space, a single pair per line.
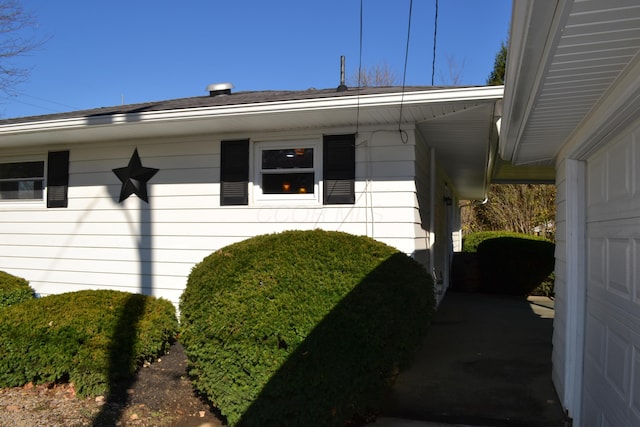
342,86
217,89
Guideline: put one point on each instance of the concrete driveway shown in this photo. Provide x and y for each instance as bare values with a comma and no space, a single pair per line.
486,361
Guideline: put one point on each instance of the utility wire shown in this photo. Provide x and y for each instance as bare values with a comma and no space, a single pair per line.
15,99
404,74
359,73
435,33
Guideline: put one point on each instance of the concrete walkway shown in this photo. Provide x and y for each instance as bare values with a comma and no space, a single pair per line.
486,361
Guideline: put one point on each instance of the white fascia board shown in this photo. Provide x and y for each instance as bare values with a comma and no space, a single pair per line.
342,102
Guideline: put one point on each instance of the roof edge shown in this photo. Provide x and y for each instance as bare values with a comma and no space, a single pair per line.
83,119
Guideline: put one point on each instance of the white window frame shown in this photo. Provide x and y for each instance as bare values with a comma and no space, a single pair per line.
27,159
294,198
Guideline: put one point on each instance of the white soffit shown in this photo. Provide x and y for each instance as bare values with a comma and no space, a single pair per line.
555,80
462,138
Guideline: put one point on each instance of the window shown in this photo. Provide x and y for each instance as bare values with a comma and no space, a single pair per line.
287,171
22,180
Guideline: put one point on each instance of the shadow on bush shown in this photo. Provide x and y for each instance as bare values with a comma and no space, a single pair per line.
123,361
94,339
324,353
344,366
514,266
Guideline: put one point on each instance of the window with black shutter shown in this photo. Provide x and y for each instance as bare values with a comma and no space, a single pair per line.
339,170
234,173
57,179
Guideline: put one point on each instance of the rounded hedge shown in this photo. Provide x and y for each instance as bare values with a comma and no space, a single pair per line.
302,327
93,339
14,290
471,241
515,265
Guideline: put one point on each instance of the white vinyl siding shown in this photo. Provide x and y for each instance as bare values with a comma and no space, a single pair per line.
133,246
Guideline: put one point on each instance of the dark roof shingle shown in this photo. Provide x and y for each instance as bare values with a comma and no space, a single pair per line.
237,98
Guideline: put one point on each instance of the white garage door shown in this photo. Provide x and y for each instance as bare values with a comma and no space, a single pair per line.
611,392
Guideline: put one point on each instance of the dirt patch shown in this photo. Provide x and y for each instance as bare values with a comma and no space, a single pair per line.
160,396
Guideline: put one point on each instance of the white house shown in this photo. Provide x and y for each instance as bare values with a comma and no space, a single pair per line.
572,104
132,197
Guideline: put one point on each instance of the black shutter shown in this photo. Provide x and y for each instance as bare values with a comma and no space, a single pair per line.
339,173
57,179
234,172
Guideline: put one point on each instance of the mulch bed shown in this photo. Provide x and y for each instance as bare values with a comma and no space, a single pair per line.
160,396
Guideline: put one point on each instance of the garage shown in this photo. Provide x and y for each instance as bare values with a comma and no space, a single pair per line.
611,377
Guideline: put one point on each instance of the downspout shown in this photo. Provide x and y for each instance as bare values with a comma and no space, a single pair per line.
432,221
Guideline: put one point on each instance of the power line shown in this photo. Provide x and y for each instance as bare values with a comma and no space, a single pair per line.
435,33
50,101
359,73
42,107
404,74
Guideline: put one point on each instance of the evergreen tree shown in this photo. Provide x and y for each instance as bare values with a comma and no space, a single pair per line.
497,75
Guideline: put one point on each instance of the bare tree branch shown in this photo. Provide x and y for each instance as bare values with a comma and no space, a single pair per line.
455,72
14,42
376,76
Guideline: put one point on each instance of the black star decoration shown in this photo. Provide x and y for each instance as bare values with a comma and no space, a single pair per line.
134,178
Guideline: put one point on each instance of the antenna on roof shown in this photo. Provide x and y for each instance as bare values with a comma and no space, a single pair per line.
342,86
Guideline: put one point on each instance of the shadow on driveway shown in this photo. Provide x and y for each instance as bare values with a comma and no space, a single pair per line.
486,360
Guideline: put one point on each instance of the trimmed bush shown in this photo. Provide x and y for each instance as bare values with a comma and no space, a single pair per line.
515,265
302,327
92,339
14,290
471,241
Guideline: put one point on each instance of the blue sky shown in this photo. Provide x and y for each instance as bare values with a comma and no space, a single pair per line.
97,53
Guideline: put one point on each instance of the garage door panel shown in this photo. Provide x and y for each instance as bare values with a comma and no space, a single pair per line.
617,362
596,272
618,254
613,185
594,344
614,261
611,368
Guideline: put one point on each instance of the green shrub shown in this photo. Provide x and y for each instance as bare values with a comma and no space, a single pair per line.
471,241
546,288
302,327
514,265
90,338
14,290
